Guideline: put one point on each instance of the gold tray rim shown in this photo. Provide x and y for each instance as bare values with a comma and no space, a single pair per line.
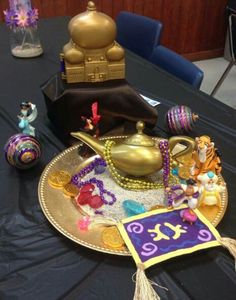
51,219
104,249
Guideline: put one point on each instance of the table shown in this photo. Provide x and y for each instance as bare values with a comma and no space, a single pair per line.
36,261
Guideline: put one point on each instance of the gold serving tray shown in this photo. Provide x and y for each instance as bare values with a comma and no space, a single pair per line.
62,214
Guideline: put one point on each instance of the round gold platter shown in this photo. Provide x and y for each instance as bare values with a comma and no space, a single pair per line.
62,214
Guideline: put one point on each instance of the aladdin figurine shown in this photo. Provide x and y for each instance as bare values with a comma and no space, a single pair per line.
210,190
27,115
206,157
189,194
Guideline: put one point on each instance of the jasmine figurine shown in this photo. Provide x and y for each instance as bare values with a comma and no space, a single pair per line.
27,115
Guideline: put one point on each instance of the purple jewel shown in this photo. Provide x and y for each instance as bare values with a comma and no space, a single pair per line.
99,169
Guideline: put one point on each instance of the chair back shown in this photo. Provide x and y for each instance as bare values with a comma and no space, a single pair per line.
137,33
177,65
231,8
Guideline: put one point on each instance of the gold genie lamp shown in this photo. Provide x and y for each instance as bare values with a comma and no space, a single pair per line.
139,154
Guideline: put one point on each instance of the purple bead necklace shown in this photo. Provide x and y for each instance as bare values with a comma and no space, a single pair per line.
164,148
97,164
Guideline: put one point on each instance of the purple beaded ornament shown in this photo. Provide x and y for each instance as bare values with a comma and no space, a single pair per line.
180,119
22,151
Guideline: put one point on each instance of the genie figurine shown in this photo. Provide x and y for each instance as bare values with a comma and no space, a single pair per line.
210,189
27,115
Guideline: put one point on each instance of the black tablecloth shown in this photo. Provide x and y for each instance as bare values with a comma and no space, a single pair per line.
36,261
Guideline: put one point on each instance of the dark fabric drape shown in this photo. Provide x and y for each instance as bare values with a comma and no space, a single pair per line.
119,106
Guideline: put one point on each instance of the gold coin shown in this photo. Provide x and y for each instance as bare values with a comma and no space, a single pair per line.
59,178
111,237
156,207
184,172
185,159
54,186
52,180
70,190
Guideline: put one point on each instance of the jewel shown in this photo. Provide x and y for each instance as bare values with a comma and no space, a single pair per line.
99,169
83,223
87,188
95,201
175,172
83,198
133,208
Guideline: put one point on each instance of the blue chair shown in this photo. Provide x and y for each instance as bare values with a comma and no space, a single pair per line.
177,65
137,33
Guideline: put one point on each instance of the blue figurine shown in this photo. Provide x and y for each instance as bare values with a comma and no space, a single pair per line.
27,115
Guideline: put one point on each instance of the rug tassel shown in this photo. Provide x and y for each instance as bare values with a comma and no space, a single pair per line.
102,221
143,288
229,244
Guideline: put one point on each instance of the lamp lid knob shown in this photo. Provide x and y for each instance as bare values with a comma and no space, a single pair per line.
91,5
140,139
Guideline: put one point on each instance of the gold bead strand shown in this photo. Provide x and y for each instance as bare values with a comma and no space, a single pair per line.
125,182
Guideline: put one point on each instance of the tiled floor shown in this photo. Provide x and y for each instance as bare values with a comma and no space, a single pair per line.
213,69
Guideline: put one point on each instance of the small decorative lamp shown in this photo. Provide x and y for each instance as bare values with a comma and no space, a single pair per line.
22,21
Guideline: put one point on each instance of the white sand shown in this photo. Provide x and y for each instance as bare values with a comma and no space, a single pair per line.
148,198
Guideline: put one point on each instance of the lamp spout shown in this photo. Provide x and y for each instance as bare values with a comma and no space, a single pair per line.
95,144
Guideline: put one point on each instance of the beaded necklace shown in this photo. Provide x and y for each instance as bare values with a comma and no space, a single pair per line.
138,184
104,194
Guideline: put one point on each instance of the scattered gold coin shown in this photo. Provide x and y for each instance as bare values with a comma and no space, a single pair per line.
184,172
59,178
111,237
156,207
70,190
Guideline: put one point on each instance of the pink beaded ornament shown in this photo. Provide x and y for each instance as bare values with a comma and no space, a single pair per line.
180,119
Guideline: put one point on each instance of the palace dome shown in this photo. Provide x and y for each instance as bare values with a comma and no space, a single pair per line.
92,29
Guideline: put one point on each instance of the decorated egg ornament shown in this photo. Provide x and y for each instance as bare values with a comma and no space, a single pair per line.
22,151
180,119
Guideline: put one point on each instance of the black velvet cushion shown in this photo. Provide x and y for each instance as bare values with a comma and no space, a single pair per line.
119,105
